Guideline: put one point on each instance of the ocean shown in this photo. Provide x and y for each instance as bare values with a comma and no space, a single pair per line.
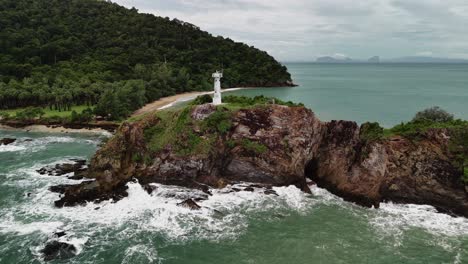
242,227
386,93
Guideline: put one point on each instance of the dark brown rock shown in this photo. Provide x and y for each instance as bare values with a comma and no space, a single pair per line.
292,145
78,167
7,141
190,204
58,250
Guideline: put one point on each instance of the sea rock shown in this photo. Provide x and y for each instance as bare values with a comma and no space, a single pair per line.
190,204
58,250
277,145
78,167
90,191
61,188
7,141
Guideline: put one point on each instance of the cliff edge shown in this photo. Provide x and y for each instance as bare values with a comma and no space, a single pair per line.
274,144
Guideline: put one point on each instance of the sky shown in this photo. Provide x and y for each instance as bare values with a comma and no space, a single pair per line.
302,30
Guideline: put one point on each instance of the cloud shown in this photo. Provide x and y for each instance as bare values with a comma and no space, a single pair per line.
304,29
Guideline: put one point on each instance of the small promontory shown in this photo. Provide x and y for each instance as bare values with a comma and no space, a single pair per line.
273,143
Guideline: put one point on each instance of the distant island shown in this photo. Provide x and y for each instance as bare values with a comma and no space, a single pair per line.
378,59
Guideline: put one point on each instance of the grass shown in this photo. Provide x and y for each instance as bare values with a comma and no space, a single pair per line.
254,147
48,112
187,136
175,129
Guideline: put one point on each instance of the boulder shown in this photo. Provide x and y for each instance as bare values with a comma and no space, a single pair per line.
190,204
7,141
58,250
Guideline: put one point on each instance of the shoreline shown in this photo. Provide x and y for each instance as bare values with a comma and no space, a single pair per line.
169,101
160,104
55,129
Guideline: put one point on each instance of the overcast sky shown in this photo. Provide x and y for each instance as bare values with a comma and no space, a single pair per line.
301,30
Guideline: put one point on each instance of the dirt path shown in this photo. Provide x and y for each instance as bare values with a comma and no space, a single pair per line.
166,102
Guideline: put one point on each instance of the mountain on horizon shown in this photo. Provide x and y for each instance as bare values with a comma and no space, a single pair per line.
330,59
378,59
426,59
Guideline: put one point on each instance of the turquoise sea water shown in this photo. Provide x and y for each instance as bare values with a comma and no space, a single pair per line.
242,227
387,93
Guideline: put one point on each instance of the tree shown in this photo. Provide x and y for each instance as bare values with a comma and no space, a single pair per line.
433,114
77,50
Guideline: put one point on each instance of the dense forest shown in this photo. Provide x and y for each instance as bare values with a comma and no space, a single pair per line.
60,53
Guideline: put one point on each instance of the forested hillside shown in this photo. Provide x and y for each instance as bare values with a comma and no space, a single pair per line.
59,53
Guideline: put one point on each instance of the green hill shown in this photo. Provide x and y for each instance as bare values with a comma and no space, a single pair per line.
60,53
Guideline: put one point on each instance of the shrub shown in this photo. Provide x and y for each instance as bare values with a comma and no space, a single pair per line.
202,99
30,113
254,147
250,101
84,117
459,147
371,131
4,115
219,121
433,114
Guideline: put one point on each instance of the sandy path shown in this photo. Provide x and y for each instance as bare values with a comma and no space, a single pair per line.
169,101
56,129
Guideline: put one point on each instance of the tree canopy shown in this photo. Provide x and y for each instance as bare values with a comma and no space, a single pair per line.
59,53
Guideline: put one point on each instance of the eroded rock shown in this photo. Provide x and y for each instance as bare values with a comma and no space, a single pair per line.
7,141
276,145
58,250
190,204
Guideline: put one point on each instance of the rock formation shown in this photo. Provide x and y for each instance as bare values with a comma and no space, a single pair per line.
278,145
7,141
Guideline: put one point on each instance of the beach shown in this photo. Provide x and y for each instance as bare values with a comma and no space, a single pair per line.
55,129
169,101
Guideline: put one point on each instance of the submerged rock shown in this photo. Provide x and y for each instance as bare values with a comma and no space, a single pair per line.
190,204
58,250
90,191
7,141
78,167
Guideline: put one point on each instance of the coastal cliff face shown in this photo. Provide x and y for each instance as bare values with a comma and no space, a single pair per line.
274,145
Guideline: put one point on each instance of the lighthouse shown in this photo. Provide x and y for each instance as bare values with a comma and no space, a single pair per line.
217,87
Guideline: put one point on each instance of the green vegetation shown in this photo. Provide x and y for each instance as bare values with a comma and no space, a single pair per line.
434,114
234,101
459,146
77,114
219,121
65,53
187,136
174,129
85,116
202,99
30,113
414,129
257,100
253,147
371,131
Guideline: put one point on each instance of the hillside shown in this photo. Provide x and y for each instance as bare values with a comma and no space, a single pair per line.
61,53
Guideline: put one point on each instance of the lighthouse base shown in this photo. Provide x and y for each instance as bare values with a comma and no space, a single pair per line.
217,99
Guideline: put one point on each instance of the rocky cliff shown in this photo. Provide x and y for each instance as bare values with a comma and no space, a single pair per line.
274,145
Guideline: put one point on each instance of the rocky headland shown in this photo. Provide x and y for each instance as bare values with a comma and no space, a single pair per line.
274,144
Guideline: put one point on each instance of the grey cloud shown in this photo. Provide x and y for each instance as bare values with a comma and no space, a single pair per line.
304,29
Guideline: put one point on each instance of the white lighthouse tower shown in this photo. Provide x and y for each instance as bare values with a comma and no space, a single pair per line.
217,87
